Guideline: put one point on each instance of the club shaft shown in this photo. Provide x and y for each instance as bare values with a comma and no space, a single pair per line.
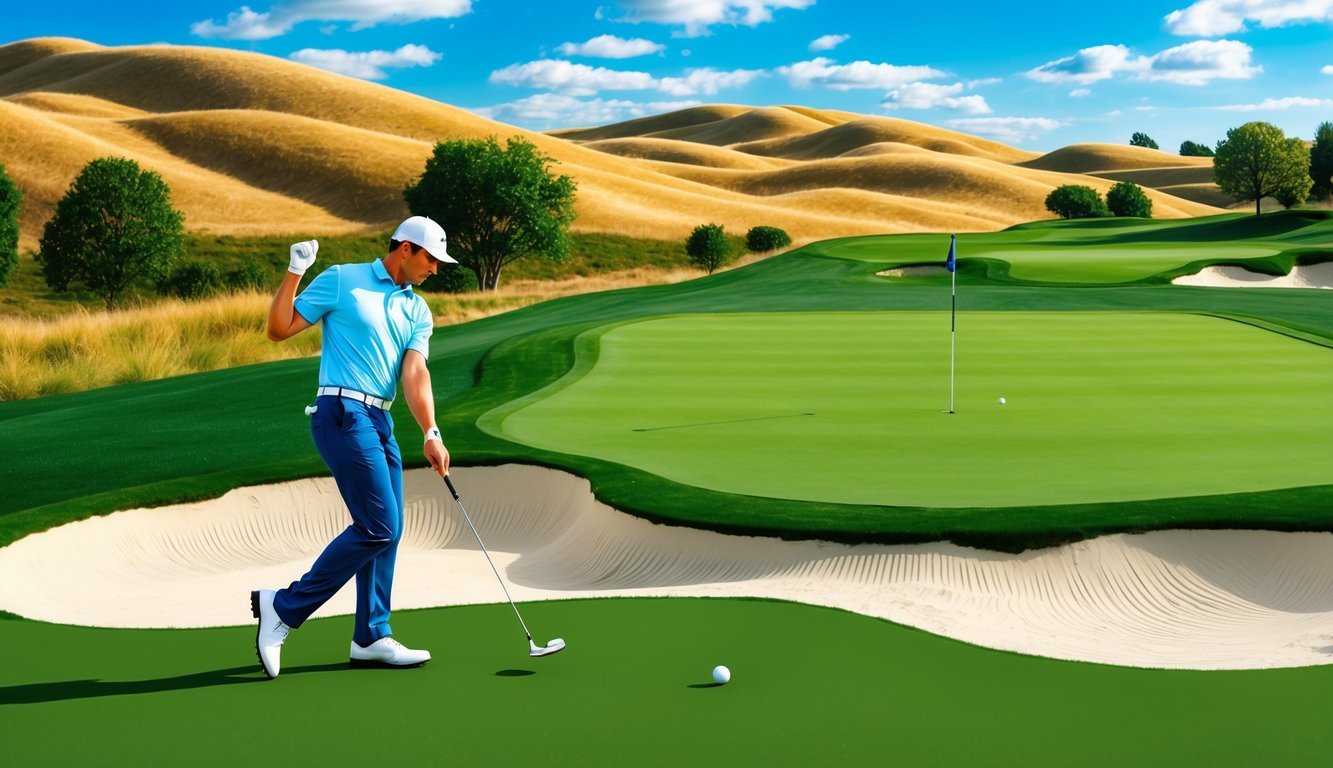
454,492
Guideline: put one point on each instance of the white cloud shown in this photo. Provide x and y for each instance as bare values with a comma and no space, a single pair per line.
570,78
1201,62
1328,70
582,80
246,24
858,74
983,81
1196,63
368,65
1279,105
828,42
611,47
553,110
706,81
1210,18
698,15
1087,66
1010,130
933,96
1079,93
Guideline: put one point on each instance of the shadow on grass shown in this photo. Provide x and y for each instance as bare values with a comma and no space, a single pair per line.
35,693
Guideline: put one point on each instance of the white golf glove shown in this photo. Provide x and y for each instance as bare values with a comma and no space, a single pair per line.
303,255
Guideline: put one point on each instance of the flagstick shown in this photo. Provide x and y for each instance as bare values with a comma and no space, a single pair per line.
953,314
952,264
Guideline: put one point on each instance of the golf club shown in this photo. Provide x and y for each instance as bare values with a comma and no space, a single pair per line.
557,644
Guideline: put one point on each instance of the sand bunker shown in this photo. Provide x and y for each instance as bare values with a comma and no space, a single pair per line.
1312,276
1180,599
919,271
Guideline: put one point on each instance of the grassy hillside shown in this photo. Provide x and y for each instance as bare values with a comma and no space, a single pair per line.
245,142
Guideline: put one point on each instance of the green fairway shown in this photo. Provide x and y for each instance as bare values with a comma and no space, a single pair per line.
847,407
810,686
1112,265
1176,434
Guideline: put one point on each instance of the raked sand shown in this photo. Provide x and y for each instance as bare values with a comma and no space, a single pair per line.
1312,276
1178,599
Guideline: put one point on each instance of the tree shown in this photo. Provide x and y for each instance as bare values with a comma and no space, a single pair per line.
1073,201
707,247
10,198
497,205
191,280
762,239
1321,162
451,278
1127,199
112,228
1142,140
1190,149
1257,160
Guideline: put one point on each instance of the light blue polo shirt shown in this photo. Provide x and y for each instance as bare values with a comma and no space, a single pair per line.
369,324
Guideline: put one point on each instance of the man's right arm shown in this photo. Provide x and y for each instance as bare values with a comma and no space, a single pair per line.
284,321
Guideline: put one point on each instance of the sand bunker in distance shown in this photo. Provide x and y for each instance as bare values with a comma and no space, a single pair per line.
1311,276
1176,599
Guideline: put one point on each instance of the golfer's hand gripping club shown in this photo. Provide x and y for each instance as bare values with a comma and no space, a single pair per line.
302,256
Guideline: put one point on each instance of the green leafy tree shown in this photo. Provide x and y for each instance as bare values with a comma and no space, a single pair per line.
1142,140
1074,201
1127,199
10,198
707,247
250,276
1190,149
114,227
191,280
451,278
496,204
762,239
1256,160
1321,162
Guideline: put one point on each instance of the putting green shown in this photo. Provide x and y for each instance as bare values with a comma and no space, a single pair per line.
849,407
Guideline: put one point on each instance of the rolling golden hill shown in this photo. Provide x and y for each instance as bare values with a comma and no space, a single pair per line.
252,144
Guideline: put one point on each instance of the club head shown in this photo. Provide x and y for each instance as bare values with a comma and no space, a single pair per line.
555,646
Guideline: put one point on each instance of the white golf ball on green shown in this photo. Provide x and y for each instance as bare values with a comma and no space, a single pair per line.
1002,401
721,675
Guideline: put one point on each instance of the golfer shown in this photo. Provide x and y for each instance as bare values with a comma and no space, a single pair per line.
376,331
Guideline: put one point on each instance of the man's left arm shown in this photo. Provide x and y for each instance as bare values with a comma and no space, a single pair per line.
421,401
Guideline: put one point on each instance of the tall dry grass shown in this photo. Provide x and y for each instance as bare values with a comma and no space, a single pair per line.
90,349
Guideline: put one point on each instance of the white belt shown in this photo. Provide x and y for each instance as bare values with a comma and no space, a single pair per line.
352,394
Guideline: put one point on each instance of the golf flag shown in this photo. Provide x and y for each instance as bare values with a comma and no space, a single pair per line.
949,265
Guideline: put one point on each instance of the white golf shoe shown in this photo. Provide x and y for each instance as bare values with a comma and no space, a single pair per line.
271,633
387,652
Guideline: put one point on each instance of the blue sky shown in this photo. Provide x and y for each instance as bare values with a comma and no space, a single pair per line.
1032,74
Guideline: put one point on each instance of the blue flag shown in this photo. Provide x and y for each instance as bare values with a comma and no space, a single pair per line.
949,264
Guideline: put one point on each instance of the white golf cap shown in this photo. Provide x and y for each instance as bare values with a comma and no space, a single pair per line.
425,233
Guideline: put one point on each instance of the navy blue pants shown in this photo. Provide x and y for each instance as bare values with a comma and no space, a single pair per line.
356,442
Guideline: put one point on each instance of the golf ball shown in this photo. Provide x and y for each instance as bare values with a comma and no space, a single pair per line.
721,675
1002,401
